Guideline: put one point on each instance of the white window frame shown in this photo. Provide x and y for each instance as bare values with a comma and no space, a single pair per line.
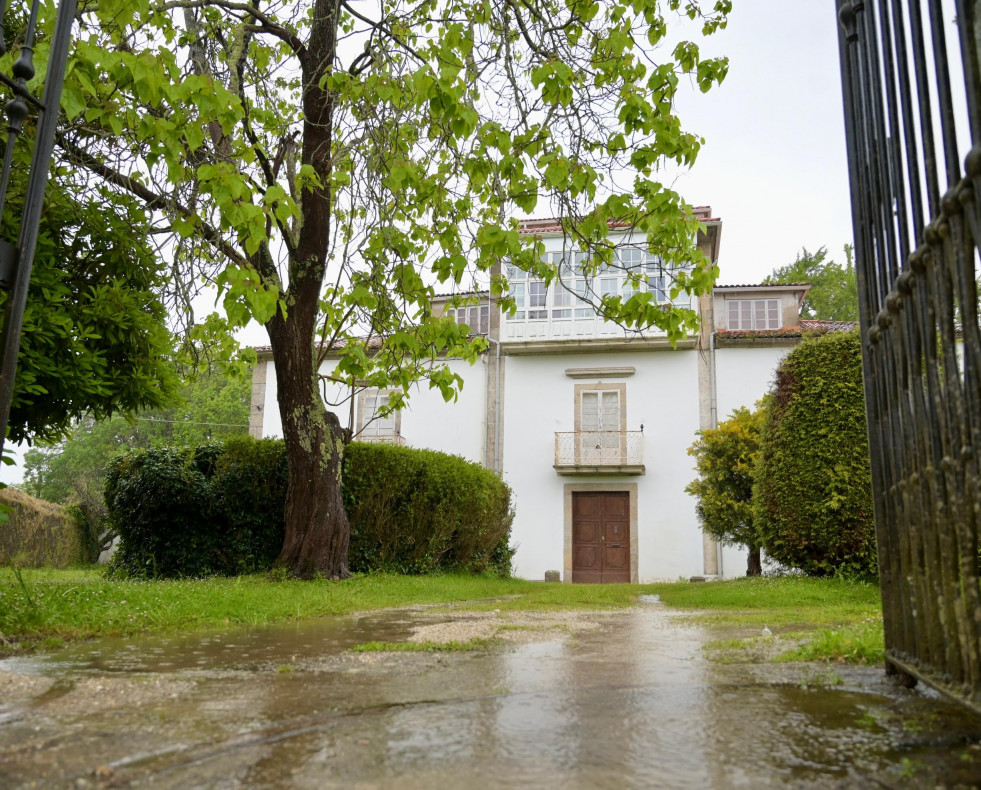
745,315
367,426
574,296
610,444
476,317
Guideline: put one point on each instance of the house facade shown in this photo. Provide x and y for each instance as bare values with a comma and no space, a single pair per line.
589,423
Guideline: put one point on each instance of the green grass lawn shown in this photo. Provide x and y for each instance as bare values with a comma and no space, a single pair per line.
826,619
778,600
43,608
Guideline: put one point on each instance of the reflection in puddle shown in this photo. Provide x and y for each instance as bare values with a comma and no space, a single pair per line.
246,648
633,705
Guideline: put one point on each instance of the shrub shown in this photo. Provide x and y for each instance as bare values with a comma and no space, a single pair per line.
218,509
418,511
160,505
812,497
725,457
38,533
248,492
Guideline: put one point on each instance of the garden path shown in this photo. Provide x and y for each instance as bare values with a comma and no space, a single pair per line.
625,699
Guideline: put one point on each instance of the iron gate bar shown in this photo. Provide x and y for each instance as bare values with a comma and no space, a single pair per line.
37,180
916,265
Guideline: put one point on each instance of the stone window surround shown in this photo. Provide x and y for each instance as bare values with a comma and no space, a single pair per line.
601,387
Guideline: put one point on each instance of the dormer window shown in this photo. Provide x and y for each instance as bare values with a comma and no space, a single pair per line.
753,314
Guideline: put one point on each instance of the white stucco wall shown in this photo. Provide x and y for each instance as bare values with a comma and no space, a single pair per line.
455,427
663,396
744,375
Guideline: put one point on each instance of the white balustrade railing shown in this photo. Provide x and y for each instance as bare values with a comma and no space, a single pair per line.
599,448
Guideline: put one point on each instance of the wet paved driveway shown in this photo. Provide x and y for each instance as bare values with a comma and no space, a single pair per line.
632,703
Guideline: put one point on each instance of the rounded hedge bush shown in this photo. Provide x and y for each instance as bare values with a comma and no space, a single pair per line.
218,509
812,495
418,511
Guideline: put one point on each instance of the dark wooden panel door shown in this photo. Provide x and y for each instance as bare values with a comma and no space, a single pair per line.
601,537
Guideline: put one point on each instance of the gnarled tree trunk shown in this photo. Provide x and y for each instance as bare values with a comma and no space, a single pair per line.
317,529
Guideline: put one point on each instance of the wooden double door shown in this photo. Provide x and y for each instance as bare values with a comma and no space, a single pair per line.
601,537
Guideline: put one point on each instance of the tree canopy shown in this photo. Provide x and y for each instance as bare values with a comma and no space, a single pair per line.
330,164
725,458
834,290
206,408
94,339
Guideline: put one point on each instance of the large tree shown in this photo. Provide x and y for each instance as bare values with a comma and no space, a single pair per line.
330,164
833,295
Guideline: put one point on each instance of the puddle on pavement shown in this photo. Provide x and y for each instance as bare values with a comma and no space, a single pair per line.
632,705
245,648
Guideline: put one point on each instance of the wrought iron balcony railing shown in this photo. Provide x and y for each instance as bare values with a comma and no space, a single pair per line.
381,438
599,452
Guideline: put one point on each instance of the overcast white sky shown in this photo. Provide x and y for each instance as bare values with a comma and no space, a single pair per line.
773,167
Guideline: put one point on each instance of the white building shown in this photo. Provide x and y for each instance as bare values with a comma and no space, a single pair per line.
587,422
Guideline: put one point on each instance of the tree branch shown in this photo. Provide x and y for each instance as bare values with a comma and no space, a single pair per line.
382,28
153,201
269,25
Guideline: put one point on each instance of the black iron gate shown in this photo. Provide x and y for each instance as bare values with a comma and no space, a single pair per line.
16,262
912,96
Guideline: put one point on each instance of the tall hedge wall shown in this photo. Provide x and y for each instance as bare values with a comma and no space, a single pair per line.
218,509
37,534
812,496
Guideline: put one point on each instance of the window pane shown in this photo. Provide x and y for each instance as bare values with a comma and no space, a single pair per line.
564,263
760,306
519,302
581,287
484,319
514,273
536,298
773,314
733,321
589,414
561,297
631,258
746,314
610,420
657,285
371,423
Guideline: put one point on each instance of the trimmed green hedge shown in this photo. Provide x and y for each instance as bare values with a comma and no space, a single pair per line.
218,509
418,511
812,497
